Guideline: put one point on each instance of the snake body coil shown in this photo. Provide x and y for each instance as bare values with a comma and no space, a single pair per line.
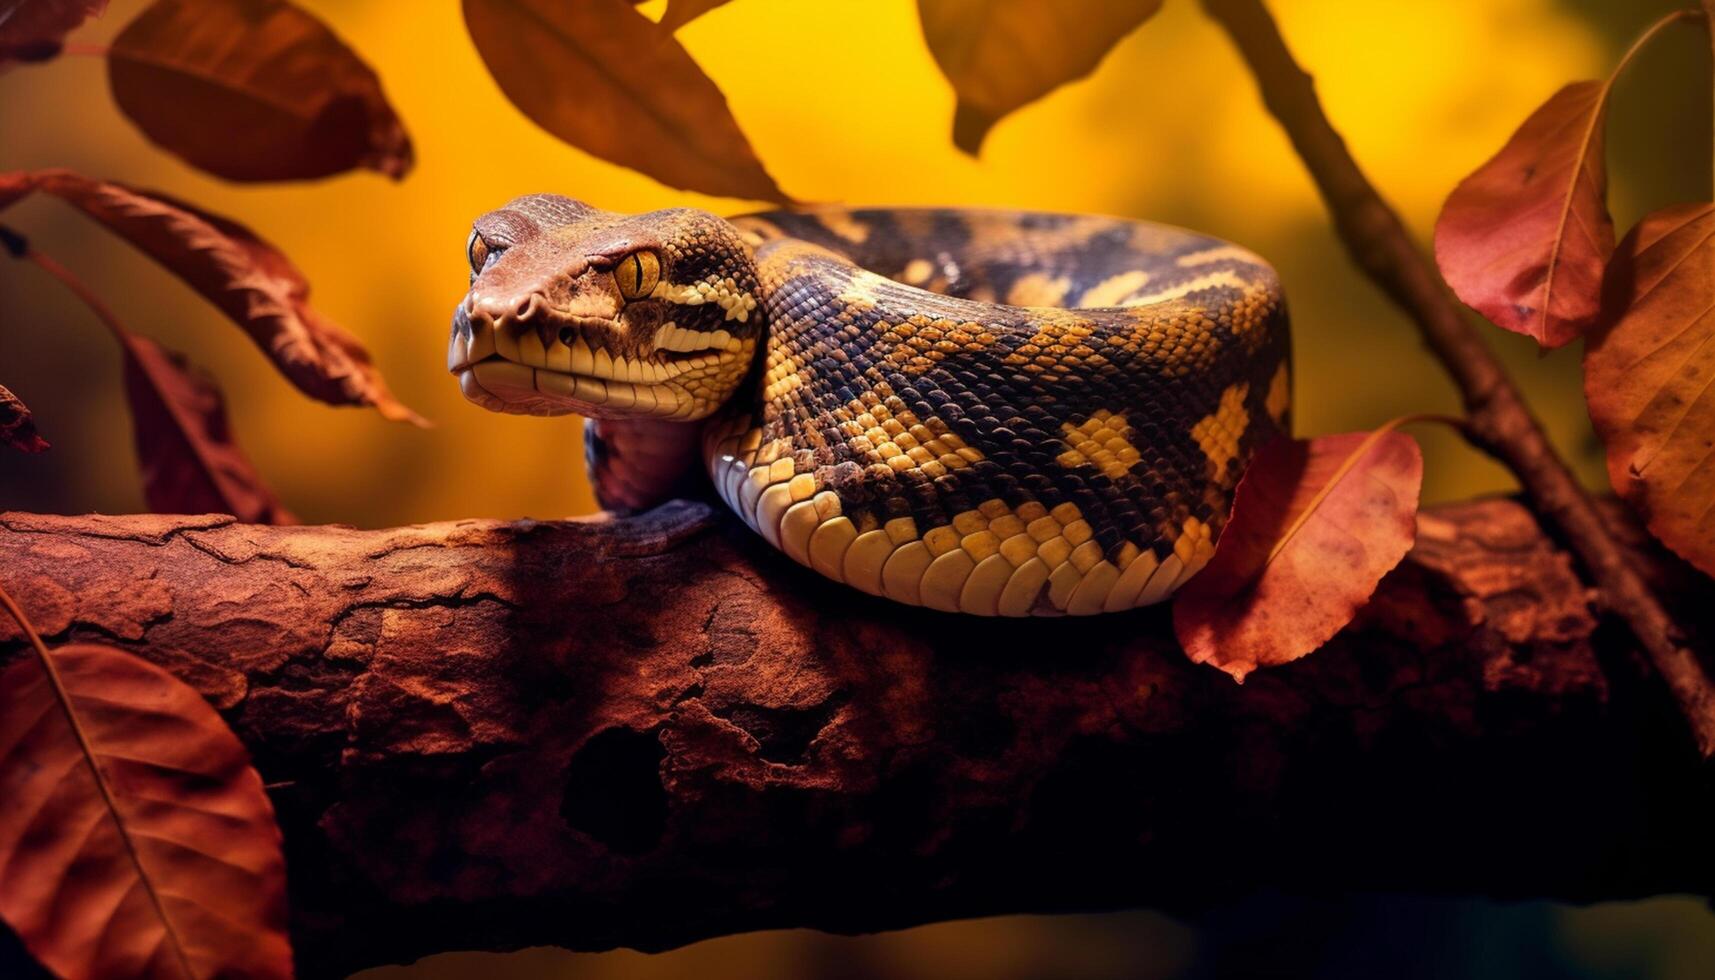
990,412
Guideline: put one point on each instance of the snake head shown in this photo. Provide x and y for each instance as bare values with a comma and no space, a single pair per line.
577,310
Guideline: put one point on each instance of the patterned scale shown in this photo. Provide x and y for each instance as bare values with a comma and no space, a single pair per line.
1000,413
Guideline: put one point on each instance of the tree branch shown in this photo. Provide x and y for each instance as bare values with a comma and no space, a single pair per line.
650,730
1500,421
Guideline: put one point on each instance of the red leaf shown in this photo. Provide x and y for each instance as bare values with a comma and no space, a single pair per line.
251,281
17,425
1003,54
682,12
254,90
135,838
1649,377
191,465
1315,526
33,30
604,78
1525,238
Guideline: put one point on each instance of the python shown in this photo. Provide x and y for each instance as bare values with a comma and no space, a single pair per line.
977,411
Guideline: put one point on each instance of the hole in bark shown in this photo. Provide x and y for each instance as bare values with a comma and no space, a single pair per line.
782,734
614,792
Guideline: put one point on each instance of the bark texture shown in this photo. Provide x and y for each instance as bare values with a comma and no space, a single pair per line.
650,730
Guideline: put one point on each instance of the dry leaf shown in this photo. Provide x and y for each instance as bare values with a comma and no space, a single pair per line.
1315,525
254,90
189,460
1003,54
17,425
153,852
1525,238
251,281
1649,376
606,79
682,12
34,30
190,463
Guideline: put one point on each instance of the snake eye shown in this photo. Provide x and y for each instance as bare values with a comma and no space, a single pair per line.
478,252
637,274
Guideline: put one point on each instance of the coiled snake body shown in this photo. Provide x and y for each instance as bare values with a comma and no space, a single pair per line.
990,412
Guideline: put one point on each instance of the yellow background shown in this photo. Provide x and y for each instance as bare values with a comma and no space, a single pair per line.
842,102
1169,128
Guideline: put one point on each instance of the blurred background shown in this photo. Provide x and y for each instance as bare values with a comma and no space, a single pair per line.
842,102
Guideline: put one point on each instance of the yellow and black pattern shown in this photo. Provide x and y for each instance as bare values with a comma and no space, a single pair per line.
996,413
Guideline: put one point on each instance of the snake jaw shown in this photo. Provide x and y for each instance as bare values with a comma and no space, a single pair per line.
563,364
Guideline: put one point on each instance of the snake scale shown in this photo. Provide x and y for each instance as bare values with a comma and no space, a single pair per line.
989,412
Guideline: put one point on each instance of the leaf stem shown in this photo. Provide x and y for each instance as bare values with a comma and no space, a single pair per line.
1499,421
1638,43
20,248
63,696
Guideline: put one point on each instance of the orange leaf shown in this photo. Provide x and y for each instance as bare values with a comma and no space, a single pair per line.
604,78
251,281
254,90
1649,376
135,838
1315,525
33,30
17,425
682,12
191,465
1525,238
1003,54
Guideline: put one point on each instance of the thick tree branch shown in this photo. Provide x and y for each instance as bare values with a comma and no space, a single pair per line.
646,731
1499,418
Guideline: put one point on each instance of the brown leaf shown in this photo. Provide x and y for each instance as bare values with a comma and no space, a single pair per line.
17,425
1003,54
190,463
604,78
1315,525
682,12
189,460
251,281
135,840
1649,377
34,30
254,90
1525,238
15,185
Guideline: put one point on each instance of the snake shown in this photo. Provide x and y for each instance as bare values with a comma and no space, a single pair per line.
979,411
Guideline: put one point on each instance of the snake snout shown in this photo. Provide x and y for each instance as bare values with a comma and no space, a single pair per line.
493,310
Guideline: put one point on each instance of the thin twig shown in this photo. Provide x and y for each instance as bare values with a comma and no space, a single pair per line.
1500,422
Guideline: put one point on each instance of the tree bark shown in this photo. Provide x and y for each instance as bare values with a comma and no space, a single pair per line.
645,731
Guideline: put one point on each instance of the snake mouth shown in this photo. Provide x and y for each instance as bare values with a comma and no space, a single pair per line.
559,370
